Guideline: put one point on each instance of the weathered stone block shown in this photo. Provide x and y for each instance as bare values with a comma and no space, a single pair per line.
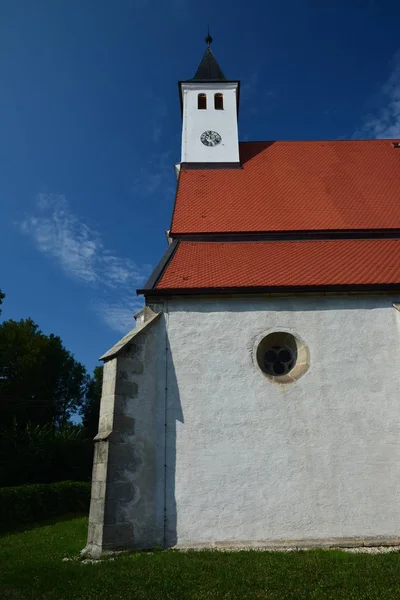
112,512
124,424
91,529
118,536
99,471
126,388
116,474
107,403
96,511
136,366
106,422
119,405
96,534
133,350
124,491
108,386
109,370
100,452
98,489
129,366
125,456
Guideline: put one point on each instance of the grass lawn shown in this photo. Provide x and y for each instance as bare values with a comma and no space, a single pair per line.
31,567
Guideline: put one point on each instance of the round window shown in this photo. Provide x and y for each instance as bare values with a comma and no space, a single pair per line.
282,356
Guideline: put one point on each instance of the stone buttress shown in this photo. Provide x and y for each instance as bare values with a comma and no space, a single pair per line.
126,508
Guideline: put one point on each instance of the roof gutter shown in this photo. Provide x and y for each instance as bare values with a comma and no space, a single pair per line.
297,289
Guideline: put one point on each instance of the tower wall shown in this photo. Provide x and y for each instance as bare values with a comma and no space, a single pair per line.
196,121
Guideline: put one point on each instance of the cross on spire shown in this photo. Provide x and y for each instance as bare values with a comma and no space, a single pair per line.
208,37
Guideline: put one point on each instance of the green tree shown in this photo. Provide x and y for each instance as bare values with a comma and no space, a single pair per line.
40,381
2,296
91,408
44,453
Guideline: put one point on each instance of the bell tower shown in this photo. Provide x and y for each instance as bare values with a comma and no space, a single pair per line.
210,105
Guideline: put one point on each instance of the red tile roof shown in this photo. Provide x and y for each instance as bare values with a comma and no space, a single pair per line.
293,186
199,265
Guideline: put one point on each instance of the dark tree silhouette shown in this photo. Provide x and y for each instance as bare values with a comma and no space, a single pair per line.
91,408
40,381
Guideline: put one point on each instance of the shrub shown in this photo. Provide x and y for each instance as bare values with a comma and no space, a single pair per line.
29,504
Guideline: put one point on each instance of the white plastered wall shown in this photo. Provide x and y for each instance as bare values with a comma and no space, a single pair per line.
196,121
251,460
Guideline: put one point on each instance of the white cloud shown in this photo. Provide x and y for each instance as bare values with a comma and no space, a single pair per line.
58,233
81,253
385,123
118,316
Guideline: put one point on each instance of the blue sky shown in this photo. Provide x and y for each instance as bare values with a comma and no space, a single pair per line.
90,130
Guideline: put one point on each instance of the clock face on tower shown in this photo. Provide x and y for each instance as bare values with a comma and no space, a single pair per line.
210,138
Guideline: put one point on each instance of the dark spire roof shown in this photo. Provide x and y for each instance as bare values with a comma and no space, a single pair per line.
209,69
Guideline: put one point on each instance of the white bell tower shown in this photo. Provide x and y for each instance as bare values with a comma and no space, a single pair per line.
210,105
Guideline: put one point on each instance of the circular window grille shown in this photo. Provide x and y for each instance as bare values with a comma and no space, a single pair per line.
279,360
282,356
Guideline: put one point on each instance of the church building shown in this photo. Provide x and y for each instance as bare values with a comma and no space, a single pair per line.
257,401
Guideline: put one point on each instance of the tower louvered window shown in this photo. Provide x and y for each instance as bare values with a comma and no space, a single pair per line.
219,102
202,102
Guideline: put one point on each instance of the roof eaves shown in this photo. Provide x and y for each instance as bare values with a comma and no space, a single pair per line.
289,289
285,235
175,202
158,272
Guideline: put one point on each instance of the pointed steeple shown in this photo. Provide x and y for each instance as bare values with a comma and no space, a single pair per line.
209,104
209,69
